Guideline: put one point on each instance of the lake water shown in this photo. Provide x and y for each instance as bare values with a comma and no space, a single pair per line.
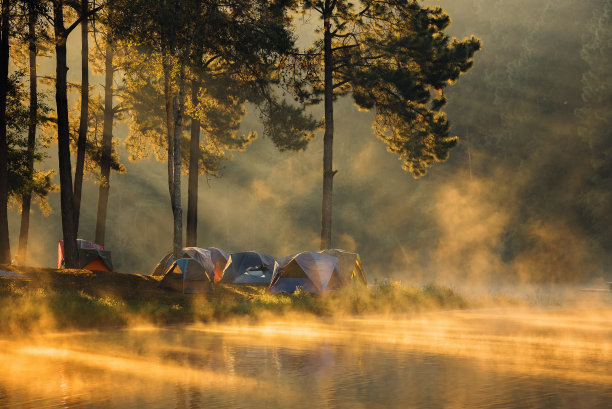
471,359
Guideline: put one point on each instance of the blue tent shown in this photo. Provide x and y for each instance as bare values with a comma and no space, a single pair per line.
249,267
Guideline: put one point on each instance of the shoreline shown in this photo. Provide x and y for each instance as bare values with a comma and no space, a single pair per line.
45,299
36,300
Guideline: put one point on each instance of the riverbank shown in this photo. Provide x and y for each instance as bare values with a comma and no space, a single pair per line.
44,299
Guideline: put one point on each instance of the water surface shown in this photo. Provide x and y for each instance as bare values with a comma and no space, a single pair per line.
472,359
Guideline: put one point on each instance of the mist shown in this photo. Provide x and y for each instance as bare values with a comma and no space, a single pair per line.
505,359
514,203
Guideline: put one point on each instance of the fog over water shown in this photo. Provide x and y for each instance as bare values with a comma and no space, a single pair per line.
514,203
485,358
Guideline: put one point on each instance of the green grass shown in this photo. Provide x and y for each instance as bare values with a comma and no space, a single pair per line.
49,299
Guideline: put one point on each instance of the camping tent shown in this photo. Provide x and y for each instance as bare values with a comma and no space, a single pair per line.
211,258
313,272
219,259
92,256
349,265
188,276
249,267
161,267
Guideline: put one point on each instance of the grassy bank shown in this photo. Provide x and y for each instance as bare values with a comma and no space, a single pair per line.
49,299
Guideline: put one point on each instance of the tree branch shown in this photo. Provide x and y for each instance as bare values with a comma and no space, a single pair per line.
343,47
119,108
81,18
341,83
211,59
365,10
76,6
343,35
332,5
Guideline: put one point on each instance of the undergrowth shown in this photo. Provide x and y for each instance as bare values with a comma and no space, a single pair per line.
45,299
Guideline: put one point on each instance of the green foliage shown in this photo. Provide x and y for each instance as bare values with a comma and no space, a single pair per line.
231,52
20,180
393,298
283,121
76,309
143,97
444,296
93,147
407,60
395,57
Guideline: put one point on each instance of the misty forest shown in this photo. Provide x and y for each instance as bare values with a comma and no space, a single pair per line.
482,151
306,204
525,191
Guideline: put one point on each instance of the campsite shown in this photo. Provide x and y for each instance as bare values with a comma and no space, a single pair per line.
305,204
46,300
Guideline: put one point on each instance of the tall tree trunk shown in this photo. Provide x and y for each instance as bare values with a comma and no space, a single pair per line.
32,121
178,121
328,138
107,146
171,129
5,245
194,168
82,141
63,138
169,123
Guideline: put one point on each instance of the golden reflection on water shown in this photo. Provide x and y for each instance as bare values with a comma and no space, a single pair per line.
560,344
299,360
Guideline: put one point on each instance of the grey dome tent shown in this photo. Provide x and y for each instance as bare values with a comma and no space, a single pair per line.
349,265
211,258
187,276
316,273
249,267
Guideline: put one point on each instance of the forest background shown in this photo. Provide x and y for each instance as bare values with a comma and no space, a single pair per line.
525,195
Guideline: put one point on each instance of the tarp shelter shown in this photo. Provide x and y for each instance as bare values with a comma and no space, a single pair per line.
249,267
187,276
211,258
349,265
316,273
92,256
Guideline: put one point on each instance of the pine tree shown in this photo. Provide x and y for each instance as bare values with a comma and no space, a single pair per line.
23,179
61,33
229,54
106,157
35,38
394,57
84,113
5,245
